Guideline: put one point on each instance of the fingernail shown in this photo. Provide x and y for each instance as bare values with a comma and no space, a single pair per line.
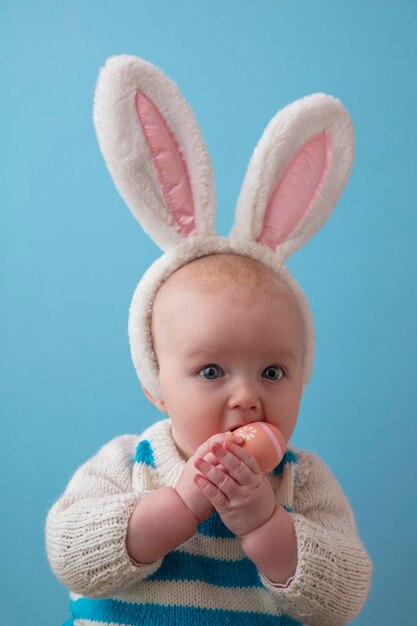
219,451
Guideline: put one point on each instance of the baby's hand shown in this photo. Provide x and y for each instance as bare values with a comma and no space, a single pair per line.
236,487
186,487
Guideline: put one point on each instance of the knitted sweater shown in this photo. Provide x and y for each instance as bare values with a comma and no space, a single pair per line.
208,579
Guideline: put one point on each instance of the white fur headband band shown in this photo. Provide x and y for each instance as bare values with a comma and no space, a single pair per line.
158,160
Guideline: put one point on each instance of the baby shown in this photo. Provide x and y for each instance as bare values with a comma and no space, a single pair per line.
179,525
229,342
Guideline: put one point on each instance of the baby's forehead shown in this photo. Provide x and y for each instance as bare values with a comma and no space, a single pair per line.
201,293
219,272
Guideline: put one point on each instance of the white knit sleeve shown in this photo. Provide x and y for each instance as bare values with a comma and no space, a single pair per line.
86,528
333,574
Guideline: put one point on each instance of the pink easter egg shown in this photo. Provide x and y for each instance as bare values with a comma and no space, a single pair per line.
263,441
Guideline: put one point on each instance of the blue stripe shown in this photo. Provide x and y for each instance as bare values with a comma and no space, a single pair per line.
214,527
154,614
179,565
144,453
289,457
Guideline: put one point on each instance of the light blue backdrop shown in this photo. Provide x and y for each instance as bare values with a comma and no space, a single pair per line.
71,253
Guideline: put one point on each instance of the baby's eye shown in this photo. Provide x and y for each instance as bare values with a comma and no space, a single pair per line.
211,371
273,372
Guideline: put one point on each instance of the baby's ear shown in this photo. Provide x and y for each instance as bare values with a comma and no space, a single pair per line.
160,404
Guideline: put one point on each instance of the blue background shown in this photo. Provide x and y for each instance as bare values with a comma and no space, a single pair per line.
71,253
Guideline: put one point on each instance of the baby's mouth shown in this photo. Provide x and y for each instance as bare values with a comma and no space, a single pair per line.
245,423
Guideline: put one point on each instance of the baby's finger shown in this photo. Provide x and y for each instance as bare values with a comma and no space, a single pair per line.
204,448
235,467
210,458
210,491
238,455
217,477
223,437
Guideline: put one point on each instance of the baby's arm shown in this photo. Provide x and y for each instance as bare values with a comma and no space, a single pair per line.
102,535
316,550
333,573
151,532
86,527
245,501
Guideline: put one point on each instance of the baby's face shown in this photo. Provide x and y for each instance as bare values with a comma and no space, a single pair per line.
227,358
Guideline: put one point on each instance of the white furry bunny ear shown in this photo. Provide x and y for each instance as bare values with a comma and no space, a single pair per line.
154,151
296,174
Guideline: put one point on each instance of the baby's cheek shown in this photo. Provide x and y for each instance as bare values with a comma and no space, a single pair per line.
196,433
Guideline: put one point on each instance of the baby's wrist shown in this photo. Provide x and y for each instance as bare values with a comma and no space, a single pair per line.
272,547
151,533
186,506
259,529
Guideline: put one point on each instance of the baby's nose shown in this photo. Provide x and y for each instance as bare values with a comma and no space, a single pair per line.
244,396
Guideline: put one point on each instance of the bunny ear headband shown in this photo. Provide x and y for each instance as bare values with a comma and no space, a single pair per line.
158,160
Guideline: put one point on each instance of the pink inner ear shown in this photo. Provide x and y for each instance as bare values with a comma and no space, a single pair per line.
296,190
169,163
